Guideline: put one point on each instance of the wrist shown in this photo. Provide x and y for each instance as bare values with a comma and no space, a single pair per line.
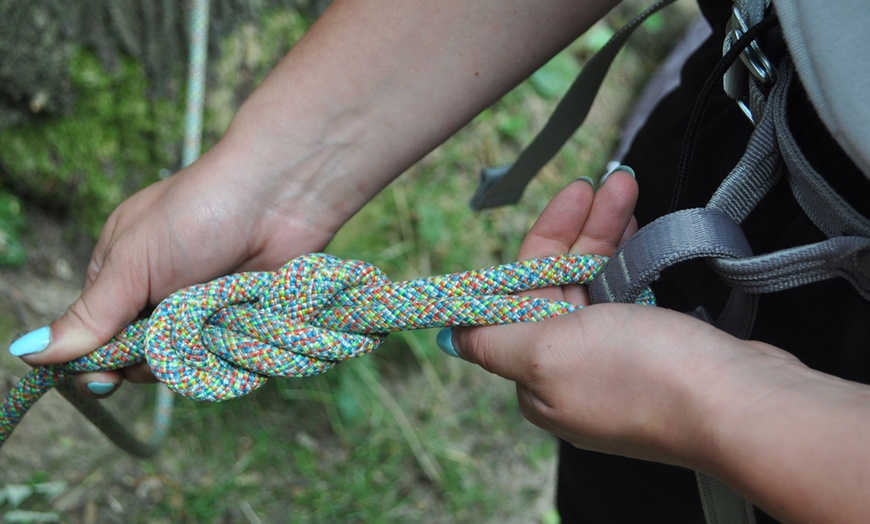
304,170
715,391
752,387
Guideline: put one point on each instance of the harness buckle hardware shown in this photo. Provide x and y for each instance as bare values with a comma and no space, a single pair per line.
753,58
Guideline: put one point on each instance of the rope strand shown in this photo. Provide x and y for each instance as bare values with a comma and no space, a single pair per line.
225,338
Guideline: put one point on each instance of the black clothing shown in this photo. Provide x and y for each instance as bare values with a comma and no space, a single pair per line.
826,325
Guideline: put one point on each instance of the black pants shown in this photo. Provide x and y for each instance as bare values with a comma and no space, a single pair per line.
826,325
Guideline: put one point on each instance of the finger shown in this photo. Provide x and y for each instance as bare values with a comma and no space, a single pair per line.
525,353
99,384
629,231
609,216
609,223
559,225
493,348
557,228
112,301
606,224
139,374
100,249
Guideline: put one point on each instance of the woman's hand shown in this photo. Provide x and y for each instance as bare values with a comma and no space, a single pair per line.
654,384
369,90
613,378
206,221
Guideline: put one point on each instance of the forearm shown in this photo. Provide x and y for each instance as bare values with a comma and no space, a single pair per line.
795,441
376,85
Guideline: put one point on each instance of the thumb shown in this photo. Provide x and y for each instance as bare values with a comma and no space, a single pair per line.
112,300
506,350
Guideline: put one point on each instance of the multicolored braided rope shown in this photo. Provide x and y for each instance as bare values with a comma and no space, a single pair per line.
225,338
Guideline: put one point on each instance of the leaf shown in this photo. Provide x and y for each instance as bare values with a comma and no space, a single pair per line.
51,490
30,517
513,126
15,494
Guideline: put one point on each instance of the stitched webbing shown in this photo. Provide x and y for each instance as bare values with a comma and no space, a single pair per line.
691,234
503,185
223,339
700,233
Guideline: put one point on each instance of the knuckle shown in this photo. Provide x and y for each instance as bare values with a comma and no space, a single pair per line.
543,366
80,314
538,410
476,345
93,271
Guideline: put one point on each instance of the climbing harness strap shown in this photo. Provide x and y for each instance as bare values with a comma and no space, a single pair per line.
503,185
703,232
714,233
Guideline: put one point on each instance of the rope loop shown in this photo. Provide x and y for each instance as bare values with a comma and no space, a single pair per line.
223,339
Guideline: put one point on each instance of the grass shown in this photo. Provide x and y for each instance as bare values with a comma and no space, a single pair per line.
405,434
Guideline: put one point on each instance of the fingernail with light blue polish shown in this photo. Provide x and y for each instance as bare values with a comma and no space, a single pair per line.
445,342
32,342
101,388
622,167
587,180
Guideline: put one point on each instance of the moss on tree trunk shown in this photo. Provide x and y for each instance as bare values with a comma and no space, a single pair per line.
91,95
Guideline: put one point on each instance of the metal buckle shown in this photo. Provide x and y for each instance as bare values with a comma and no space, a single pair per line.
753,57
756,62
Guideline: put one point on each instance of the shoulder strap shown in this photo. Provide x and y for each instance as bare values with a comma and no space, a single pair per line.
504,185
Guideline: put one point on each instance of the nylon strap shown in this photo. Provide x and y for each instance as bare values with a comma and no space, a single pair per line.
504,185
714,233
701,233
674,238
721,504
846,254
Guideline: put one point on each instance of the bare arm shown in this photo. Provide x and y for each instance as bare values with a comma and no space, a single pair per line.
794,440
369,90
376,85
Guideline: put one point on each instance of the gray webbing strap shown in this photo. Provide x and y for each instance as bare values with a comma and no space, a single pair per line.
771,145
677,237
504,185
757,171
828,211
714,233
845,257
674,238
721,504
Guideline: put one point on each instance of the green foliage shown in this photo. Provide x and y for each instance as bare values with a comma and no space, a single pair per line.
11,227
246,57
14,496
116,141
553,79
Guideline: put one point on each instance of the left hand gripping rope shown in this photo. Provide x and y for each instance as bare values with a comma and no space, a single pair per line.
223,339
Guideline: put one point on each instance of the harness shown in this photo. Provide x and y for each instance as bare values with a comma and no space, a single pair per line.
762,88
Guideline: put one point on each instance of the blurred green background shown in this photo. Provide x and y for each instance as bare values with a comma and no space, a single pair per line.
402,435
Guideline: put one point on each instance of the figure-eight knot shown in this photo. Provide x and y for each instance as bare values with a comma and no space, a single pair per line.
223,339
